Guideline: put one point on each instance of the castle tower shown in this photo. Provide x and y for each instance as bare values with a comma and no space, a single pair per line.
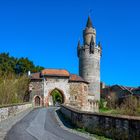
89,60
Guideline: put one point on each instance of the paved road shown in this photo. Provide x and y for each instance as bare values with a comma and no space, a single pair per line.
40,124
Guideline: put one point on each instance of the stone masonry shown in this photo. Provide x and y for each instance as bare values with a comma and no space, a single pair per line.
89,60
118,127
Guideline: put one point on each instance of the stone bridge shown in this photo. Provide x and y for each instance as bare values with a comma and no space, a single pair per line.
22,122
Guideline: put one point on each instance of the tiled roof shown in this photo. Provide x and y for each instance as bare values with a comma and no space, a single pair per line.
76,78
55,72
138,88
130,89
35,75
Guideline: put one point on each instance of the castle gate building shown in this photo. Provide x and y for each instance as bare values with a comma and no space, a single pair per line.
58,86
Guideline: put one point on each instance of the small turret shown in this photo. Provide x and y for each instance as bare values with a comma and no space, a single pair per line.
89,32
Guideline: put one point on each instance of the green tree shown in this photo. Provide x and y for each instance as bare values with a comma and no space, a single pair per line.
7,63
24,65
20,66
57,97
13,78
37,69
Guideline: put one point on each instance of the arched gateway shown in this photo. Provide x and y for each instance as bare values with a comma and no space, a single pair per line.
55,97
37,101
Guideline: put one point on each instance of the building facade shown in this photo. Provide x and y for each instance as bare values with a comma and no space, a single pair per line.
81,92
119,92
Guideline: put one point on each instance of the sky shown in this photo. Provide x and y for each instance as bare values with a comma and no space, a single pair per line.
47,32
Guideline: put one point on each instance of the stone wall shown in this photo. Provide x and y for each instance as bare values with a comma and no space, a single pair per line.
116,127
12,110
59,83
79,95
36,88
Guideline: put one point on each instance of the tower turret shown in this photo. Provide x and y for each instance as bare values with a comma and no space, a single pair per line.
89,32
89,60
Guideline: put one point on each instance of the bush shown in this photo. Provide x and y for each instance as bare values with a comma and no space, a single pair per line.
13,89
103,104
130,106
112,101
57,97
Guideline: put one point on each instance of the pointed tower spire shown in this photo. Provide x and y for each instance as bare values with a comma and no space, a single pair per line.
89,22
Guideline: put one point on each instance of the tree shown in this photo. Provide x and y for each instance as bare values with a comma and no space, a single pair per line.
57,97
13,78
37,69
7,63
24,65
18,66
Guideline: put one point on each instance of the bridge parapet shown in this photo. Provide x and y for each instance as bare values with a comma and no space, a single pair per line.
118,127
7,111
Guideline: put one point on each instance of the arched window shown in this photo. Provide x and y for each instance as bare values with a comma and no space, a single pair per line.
37,101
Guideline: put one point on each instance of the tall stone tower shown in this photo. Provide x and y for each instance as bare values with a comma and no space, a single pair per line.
89,60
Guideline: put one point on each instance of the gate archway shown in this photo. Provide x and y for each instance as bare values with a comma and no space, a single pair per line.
56,97
37,101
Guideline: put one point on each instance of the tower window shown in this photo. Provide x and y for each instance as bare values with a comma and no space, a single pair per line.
85,88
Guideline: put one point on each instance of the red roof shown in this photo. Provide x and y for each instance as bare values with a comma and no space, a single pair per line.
76,78
55,72
35,75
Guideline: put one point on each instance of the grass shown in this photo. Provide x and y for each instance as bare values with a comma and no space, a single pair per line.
108,111
91,135
119,112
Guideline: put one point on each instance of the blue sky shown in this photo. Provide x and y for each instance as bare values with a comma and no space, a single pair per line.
47,31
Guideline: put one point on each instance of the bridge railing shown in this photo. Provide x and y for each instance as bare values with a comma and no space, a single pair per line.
118,127
7,111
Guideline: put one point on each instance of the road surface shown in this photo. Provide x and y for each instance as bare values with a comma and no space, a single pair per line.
41,124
